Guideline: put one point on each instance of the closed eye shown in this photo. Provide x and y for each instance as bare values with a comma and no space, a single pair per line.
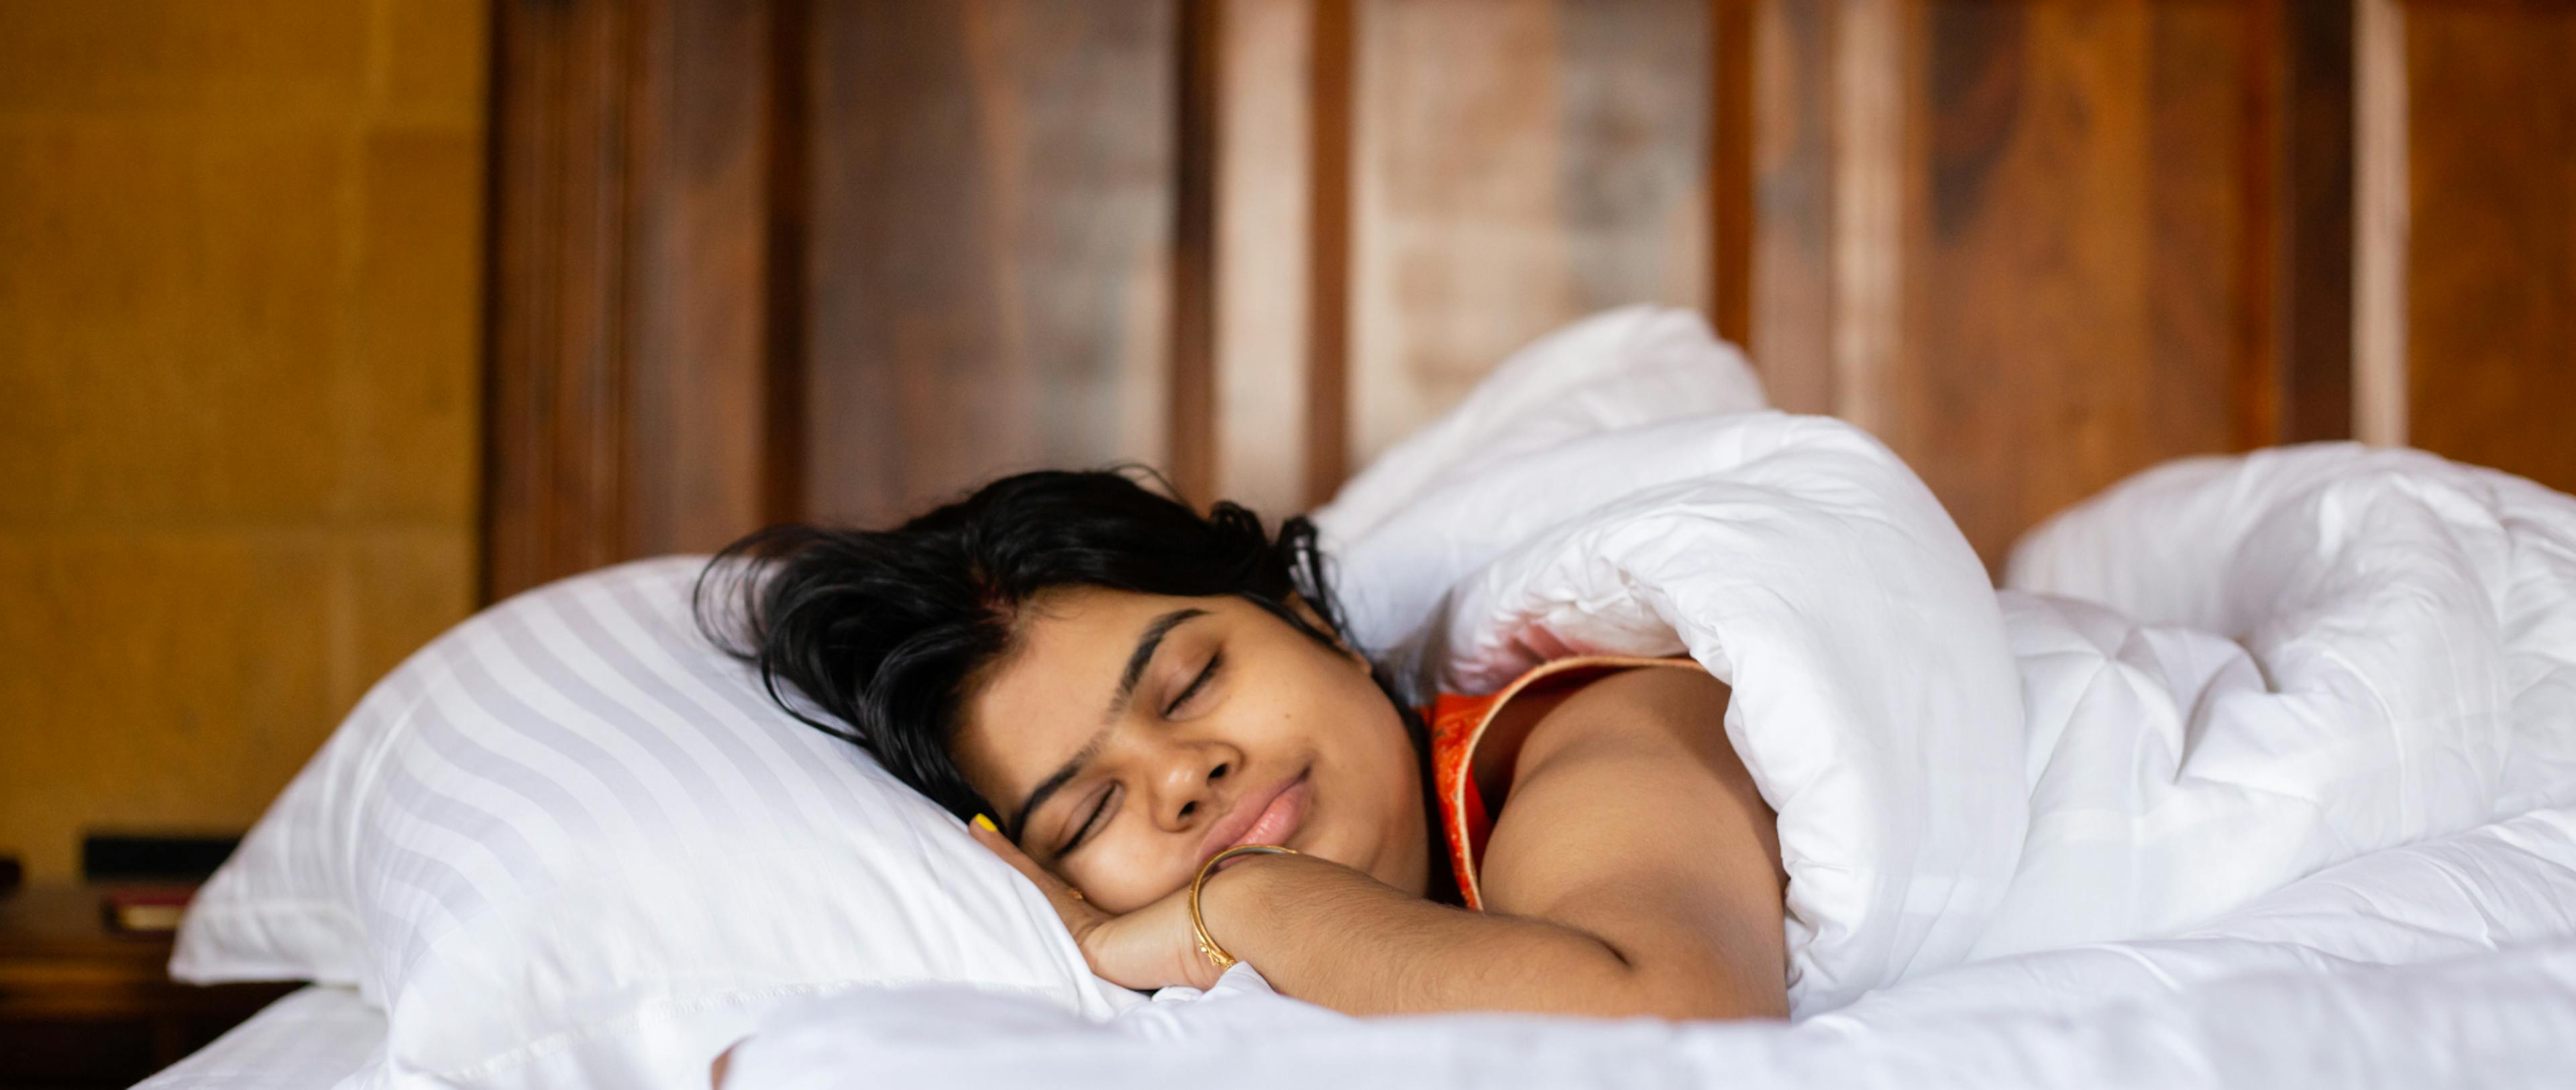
1092,819
1215,660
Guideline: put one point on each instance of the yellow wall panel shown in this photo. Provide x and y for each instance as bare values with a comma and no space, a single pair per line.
241,262
158,679
434,59
408,426
232,56
172,297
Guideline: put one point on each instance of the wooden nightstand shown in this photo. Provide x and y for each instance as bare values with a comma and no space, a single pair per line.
83,1006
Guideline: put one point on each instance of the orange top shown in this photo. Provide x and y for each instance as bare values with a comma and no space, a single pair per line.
1468,759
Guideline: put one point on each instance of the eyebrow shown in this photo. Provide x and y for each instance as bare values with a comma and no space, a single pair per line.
1146,641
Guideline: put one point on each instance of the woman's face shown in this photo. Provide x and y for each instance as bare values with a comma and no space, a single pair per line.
1237,729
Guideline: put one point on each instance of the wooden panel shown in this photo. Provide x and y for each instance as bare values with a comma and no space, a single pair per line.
2380,222
2038,246
1263,192
711,133
635,316
2312,274
1331,115
1729,180
1517,164
553,411
1878,63
990,200
2490,337
1200,44
1794,110
847,261
2086,277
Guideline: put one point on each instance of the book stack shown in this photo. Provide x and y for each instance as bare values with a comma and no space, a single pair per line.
146,879
146,909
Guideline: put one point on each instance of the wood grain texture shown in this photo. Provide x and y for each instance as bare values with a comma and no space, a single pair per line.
2086,281
784,467
2036,246
1199,44
2382,229
635,321
1793,148
2312,203
2490,289
1729,180
703,144
1264,194
990,193
1330,87
1517,164
1878,142
554,401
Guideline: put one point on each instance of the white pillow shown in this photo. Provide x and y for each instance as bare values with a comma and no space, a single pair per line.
570,839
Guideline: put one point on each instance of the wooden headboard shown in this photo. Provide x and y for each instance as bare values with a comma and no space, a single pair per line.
758,260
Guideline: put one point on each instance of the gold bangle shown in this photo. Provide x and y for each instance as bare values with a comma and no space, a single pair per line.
1207,943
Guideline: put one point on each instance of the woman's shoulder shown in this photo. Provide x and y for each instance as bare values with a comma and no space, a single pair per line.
1485,734
1470,714
1627,780
1631,820
1633,711
1479,743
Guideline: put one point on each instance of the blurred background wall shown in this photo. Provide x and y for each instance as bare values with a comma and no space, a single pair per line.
241,266
848,259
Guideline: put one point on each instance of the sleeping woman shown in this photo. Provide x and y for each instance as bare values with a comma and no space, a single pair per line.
1112,690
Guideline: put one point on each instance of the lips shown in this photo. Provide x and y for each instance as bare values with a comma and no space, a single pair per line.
1265,817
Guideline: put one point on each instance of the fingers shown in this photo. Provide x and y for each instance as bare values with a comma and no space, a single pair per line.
992,838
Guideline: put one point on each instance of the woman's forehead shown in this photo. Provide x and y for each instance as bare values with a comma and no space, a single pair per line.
1060,619
1072,649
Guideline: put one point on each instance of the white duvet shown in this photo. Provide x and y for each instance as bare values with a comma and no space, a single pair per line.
2263,768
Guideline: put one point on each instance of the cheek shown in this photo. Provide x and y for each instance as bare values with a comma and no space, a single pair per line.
1119,874
1377,761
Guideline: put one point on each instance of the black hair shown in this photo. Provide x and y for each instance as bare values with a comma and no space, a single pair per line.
881,632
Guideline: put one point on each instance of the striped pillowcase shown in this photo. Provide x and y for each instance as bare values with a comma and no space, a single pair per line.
572,827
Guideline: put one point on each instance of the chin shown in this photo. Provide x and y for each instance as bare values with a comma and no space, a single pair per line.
1368,856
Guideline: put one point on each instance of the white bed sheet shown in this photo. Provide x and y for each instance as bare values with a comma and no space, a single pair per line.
2445,963
308,1040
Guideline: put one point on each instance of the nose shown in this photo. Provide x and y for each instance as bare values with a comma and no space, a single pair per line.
1191,784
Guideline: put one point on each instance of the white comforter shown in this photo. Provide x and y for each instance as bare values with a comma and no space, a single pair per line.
2198,734
2416,967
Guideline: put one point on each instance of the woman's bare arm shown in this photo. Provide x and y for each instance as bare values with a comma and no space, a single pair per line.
1633,871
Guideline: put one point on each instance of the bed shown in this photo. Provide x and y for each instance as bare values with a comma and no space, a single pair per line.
2031,248
2259,769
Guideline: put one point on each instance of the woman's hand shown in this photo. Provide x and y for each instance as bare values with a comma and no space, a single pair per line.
1151,947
